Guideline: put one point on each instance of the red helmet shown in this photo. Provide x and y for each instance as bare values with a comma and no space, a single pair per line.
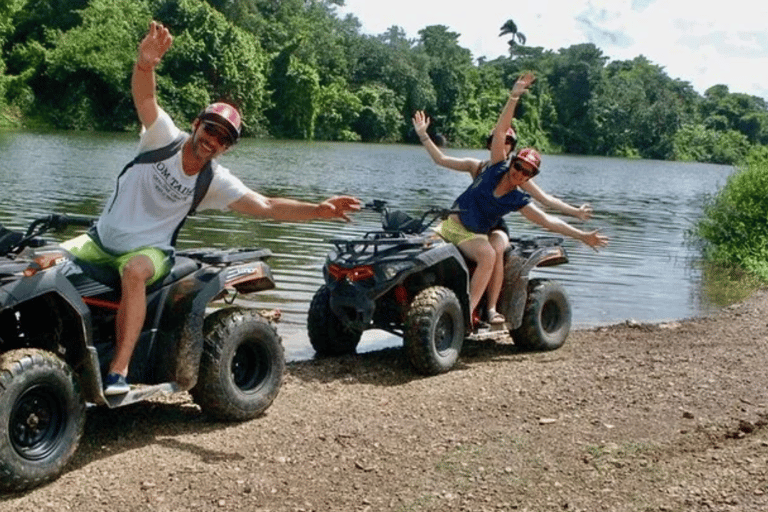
530,156
511,138
225,116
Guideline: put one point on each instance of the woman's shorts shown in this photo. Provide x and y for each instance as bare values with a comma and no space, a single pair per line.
86,249
454,232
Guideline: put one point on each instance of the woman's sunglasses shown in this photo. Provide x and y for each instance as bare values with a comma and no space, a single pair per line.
528,173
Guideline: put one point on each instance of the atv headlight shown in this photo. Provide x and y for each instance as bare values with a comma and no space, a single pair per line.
390,270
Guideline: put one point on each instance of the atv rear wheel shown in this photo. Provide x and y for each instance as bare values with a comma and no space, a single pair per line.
42,414
242,366
328,336
547,317
434,330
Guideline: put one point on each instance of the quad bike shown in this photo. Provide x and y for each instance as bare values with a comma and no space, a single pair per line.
57,334
406,280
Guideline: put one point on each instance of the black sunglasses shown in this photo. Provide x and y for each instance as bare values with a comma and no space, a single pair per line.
528,173
217,133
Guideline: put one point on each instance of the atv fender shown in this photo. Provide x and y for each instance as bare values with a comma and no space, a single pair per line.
80,354
514,289
514,292
452,271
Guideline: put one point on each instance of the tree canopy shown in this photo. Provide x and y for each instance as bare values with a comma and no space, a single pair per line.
299,70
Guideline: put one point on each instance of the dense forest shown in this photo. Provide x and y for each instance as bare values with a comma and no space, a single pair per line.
299,70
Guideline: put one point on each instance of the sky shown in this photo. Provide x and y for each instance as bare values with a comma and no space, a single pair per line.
704,43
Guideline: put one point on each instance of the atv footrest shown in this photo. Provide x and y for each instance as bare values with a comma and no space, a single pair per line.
496,332
139,393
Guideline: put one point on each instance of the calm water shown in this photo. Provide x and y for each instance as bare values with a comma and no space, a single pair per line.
647,273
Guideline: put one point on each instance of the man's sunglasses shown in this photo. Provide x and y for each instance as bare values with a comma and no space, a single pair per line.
217,133
528,173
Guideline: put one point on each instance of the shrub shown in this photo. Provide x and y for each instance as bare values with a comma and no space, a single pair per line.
734,228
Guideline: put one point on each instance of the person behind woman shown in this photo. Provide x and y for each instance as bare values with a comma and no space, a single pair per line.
500,186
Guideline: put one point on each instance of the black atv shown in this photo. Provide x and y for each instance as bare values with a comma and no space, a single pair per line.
57,333
406,280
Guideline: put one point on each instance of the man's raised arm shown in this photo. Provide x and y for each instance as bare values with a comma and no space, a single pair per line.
151,51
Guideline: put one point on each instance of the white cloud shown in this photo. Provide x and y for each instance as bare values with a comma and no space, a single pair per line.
703,43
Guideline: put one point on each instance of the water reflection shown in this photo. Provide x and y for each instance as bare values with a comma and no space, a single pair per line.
648,272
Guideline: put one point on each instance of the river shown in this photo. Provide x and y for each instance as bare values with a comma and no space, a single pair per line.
648,272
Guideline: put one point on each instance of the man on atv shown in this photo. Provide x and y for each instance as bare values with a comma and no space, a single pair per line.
136,230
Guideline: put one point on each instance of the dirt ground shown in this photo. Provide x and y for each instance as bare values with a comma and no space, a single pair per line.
668,417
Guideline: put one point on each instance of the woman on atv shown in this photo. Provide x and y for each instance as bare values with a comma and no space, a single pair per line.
500,186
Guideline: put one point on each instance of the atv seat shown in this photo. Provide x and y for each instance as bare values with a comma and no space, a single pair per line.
182,266
401,222
108,276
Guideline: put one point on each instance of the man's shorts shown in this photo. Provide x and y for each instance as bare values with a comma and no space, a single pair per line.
85,248
454,232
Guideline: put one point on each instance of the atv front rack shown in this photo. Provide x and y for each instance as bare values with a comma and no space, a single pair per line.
376,244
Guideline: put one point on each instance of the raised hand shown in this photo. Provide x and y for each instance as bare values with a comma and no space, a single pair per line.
153,46
522,84
420,123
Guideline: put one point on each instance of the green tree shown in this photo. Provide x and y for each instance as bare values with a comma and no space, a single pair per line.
453,77
723,110
509,28
210,60
8,9
337,111
379,117
295,87
575,74
637,109
696,142
84,81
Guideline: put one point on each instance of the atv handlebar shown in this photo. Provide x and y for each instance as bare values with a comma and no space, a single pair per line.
56,221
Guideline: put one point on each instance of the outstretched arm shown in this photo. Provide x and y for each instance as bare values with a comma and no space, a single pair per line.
420,123
151,50
279,208
583,212
498,152
592,238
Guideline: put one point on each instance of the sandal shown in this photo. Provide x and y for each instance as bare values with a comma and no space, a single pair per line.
496,318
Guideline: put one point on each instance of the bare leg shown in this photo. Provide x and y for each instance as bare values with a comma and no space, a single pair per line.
499,241
481,252
132,311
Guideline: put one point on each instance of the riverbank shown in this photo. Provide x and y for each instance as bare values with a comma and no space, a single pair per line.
631,417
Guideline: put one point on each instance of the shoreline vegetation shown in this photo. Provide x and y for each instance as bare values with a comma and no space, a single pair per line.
299,71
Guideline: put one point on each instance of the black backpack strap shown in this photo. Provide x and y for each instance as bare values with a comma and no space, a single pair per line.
204,179
203,182
160,154
154,155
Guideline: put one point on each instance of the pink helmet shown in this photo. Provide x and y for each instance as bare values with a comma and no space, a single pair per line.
511,138
530,156
225,116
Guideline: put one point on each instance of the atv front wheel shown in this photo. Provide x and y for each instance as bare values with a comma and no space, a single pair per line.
328,336
42,414
434,330
242,365
547,317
